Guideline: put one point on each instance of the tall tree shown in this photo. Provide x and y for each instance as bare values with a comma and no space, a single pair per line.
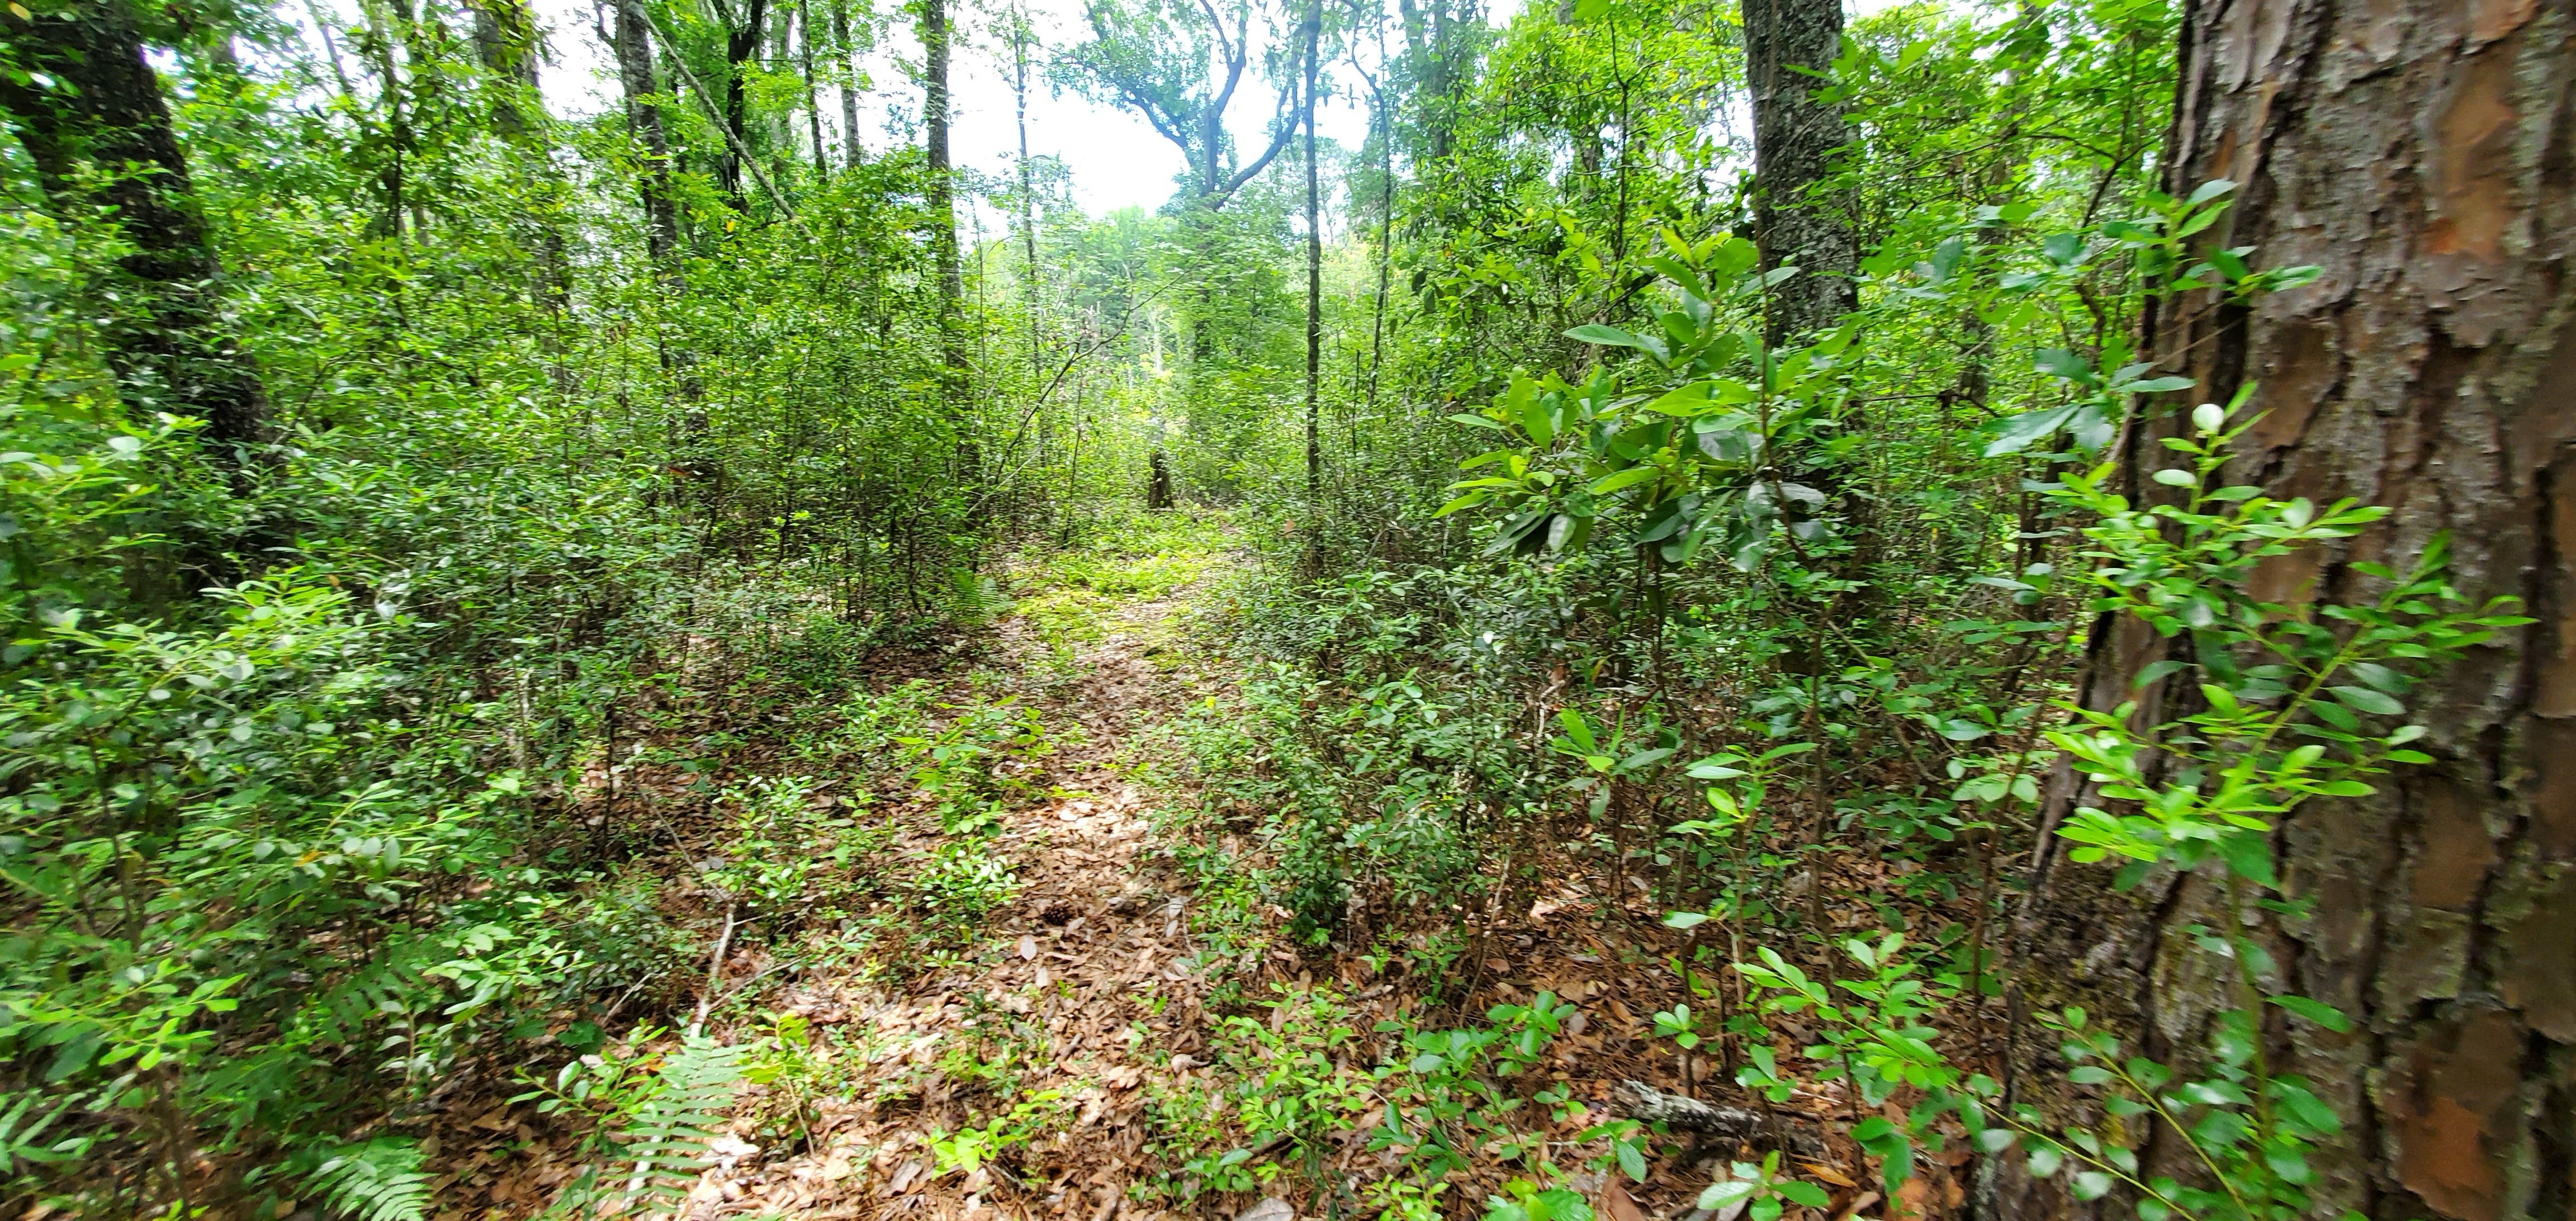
805,31
852,152
384,41
1023,38
935,108
1795,137
1181,68
1382,123
641,85
506,41
743,37
1314,286
2416,152
1433,57
99,135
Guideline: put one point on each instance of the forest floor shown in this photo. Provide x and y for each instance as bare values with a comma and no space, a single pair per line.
1078,1052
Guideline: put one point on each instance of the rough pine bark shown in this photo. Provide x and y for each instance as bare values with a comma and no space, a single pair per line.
102,139
1795,137
2419,151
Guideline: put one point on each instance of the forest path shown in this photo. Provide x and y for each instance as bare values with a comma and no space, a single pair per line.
1076,1001
1030,1042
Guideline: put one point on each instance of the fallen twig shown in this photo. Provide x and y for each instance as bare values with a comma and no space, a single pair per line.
1646,1104
715,974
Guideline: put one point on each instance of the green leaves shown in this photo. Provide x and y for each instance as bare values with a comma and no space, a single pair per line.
2315,1011
1676,1024
1599,333
1690,452
1761,1189
378,1180
2364,699
2022,431
1524,1201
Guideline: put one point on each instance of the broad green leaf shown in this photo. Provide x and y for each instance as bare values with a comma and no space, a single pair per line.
1594,332
1628,478
2019,432
2316,1011
2364,699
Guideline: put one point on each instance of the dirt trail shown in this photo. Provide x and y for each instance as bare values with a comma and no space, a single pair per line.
1067,1057
1061,1007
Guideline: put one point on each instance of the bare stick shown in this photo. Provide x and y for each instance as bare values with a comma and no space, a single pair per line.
715,973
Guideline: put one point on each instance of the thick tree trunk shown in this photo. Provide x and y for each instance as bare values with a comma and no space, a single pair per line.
636,76
107,114
2419,152
1158,481
1795,138
505,39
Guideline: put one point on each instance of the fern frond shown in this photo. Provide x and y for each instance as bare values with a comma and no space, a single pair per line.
664,1141
380,1180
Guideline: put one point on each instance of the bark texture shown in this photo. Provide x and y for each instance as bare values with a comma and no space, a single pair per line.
852,152
641,84
1314,290
805,32
1761,1129
935,111
506,41
2419,152
742,44
1795,137
101,139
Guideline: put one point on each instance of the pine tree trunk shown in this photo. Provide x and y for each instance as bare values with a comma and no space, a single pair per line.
1795,137
2419,152
180,356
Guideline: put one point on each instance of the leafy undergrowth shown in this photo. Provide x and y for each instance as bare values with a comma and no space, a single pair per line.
1001,929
